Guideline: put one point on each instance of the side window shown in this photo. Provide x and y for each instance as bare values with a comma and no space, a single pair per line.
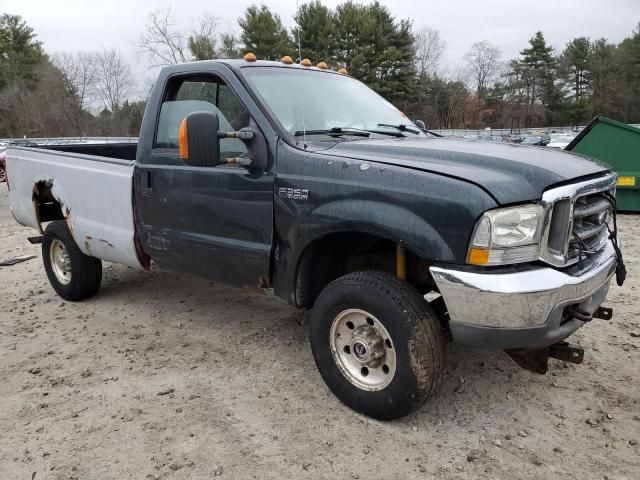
200,94
231,107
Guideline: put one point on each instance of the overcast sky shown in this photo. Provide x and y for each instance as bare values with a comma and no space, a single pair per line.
71,25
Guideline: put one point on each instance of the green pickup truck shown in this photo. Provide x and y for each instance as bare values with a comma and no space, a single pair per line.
304,180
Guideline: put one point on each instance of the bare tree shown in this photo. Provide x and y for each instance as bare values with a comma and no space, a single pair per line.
203,41
76,70
429,48
112,77
162,41
167,44
484,61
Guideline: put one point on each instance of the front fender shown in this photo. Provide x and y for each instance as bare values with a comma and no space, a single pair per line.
430,214
385,220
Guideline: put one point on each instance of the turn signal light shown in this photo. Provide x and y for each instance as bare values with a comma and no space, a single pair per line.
478,256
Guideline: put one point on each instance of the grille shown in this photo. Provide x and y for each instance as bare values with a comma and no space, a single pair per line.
589,233
575,222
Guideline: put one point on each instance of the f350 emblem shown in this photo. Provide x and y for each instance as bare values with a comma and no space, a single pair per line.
294,193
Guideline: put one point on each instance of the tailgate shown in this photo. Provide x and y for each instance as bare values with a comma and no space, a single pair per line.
94,195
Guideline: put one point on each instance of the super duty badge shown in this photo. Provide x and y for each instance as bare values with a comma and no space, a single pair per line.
294,193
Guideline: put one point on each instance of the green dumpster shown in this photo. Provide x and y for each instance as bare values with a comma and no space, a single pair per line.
618,145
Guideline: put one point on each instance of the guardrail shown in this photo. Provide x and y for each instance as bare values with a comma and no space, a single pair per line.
62,140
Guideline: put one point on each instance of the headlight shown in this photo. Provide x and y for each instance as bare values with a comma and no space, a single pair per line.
507,235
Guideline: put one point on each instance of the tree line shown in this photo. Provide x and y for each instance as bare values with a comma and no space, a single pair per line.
89,93
67,94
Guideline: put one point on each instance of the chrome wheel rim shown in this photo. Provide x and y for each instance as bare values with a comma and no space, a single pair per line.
60,261
362,349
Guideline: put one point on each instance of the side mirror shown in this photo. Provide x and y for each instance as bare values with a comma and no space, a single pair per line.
420,124
199,142
198,139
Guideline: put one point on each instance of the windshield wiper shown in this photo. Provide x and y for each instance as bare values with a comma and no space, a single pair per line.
334,131
402,127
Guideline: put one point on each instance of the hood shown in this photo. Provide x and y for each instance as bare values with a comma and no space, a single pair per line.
511,173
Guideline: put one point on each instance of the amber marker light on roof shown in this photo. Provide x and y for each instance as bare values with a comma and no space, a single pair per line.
249,57
343,71
305,62
286,60
322,66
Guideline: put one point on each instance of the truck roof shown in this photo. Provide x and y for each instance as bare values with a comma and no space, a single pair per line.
238,63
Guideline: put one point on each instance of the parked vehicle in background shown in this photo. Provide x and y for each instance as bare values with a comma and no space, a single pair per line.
539,140
3,171
482,137
515,138
560,141
305,180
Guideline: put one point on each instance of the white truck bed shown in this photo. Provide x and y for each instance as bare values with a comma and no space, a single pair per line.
96,195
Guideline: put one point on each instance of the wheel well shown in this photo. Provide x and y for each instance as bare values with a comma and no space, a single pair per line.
47,207
338,254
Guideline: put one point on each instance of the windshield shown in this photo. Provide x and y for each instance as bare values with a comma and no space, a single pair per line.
316,100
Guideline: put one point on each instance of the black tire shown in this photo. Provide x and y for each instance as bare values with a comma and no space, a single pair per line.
414,330
3,175
85,271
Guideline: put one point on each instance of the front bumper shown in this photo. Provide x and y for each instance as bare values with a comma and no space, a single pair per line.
523,308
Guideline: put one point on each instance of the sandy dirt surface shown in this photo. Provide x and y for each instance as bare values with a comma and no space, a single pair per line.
164,375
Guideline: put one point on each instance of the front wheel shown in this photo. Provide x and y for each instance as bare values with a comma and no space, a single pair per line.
377,344
72,274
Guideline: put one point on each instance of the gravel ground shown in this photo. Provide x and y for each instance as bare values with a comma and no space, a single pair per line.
164,375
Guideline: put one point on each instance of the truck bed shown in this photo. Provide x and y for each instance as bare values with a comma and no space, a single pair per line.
88,185
119,151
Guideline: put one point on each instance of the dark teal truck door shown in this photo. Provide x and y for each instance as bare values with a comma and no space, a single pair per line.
215,222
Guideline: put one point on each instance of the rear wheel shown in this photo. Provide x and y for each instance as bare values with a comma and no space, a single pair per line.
377,344
72,274
3,175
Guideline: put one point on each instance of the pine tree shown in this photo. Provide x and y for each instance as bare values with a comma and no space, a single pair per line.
351,20
628,57
376,49
605,78
20,52
229,47
316,27
575,58
264,34
201,47
539,63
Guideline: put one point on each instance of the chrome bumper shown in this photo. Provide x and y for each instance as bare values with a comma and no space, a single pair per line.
522,307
